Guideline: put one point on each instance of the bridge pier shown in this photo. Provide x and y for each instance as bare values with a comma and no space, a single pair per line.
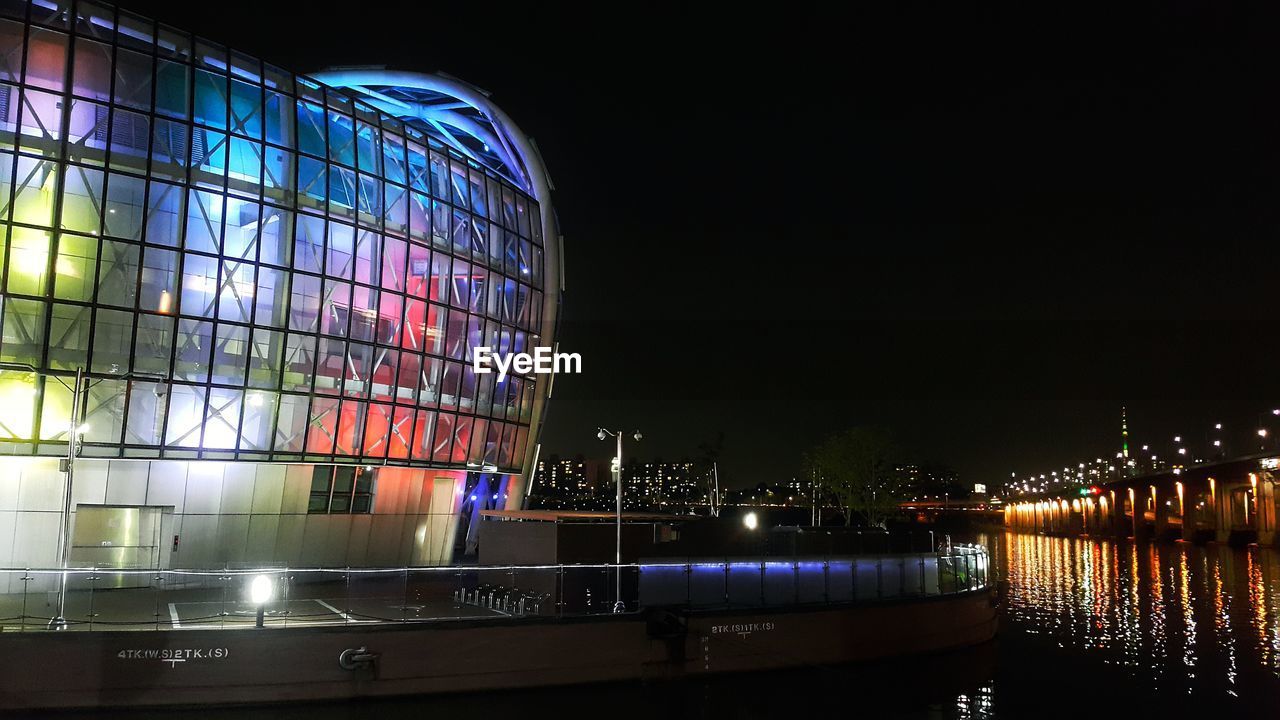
1221,499
1190,515
1089,516
1137,509
1115,524
1266,501
1161,512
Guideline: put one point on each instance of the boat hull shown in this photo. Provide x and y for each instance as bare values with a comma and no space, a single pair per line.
203,667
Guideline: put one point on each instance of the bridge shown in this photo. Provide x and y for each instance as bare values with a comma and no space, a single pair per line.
1228,501
969,510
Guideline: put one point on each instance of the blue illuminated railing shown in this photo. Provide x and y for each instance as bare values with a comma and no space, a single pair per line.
131,599
777,582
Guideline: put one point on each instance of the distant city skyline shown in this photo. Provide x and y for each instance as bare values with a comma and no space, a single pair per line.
578,482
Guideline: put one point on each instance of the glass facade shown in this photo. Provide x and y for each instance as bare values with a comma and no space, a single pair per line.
246,264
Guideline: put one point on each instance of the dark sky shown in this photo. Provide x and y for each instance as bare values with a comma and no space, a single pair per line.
985,231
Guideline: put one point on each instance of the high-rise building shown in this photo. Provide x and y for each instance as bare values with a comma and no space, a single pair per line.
651,482
575,477
249,299
920,482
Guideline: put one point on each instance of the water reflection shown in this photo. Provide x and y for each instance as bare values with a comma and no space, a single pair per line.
1177,619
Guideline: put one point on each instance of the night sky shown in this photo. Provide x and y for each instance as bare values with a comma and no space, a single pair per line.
984,231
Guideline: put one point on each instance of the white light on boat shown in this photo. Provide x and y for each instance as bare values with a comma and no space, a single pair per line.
750,521
260,590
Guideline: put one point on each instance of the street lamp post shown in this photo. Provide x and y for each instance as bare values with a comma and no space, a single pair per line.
68,466
618,605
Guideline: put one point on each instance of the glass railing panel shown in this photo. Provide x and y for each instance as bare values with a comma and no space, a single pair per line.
13,600
376,595
707,586
745,584
78,607
186,599
585,590
866,576
947,581
664,584
37,600
532,591
840,581
890,577
780,583
441,593
247,592
811,581
630,586
127,599
302,597
931,578
497,583
912,575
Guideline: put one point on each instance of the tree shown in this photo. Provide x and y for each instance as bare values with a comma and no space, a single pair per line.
851,466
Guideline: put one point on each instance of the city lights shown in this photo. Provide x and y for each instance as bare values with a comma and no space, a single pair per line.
1185,451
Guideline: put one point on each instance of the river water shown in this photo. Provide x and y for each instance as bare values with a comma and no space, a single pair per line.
1129,629
1090,629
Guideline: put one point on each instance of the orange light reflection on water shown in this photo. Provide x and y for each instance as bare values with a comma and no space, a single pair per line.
1186,617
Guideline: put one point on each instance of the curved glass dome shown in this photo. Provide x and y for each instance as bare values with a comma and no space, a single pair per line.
248,264
453,111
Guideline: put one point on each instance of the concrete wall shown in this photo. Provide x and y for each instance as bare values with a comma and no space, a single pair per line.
234,514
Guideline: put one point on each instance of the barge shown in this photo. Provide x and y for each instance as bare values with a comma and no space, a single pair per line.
683,620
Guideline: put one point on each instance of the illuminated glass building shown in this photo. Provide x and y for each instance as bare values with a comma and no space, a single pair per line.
271,284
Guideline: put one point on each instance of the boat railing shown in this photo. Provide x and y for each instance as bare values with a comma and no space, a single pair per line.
278,597
778,582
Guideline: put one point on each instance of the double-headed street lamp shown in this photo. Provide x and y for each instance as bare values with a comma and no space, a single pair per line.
68,465
618,605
